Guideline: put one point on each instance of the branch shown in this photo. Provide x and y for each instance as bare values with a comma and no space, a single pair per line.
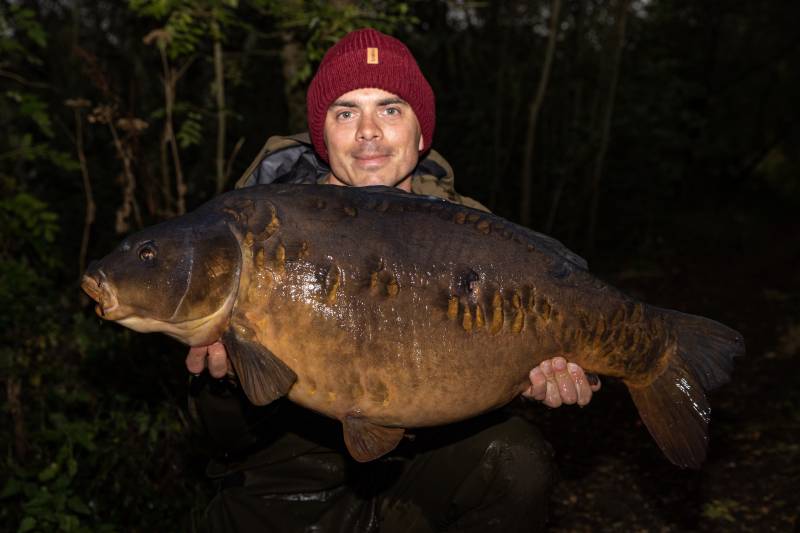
170,81
533,118
232,157
219,86
129,201
608,112
19,79
14,400
88,218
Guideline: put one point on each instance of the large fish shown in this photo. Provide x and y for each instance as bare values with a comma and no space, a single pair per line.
387,310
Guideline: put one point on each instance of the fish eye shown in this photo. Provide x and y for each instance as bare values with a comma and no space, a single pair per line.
147,252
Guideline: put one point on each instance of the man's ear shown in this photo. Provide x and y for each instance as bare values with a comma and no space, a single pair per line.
421,143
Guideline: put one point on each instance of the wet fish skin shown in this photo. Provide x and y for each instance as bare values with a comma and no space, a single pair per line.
387,310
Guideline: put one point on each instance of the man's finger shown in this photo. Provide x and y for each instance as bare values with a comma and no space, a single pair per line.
538,387
217,360
553,398
566,385
546,367
581,384
196,359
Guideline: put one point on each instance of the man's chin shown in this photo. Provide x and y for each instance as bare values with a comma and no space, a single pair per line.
386,182
360,177
362,180
382,177
373,174
392,184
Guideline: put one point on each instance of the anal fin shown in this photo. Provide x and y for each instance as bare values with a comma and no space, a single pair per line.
263,376
367,441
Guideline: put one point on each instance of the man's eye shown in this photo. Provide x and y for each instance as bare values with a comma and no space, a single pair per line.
344,115
392,111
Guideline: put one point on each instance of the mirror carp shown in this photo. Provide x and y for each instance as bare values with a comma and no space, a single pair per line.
387,310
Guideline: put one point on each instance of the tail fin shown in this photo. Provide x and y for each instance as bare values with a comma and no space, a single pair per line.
674,406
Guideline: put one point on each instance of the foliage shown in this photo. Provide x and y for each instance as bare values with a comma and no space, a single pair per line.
87,457
321,23
723,510
28,123
191,131
186,22
99,459
28,226
68,438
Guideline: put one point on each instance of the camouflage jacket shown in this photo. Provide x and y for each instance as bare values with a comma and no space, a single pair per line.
292,160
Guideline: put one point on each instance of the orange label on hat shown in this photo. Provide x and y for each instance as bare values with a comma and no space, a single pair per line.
372,56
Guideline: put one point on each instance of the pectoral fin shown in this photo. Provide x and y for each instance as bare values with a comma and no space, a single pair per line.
263,376
367,441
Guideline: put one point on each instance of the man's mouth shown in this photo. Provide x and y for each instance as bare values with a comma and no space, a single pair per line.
368,153
371,159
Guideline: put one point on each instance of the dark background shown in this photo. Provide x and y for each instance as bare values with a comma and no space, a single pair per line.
659,141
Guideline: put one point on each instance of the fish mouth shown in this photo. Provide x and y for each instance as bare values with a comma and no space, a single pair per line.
97,287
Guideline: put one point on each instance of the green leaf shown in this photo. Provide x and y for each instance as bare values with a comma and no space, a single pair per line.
11,488
49,472
31,106
191,130
41,501
27,524
36,109
26,21
67,522
61,484
722,509
77,505
60,499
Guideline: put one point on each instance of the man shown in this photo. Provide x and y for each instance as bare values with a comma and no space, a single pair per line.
371,116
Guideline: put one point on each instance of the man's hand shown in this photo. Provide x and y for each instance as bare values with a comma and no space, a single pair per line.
555,382
212,356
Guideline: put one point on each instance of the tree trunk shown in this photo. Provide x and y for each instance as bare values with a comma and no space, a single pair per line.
499,139
14,399
571,119
293,57
89,214
533,118
171,77
608,111
219,90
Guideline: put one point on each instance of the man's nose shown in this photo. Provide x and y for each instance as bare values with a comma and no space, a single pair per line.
368,129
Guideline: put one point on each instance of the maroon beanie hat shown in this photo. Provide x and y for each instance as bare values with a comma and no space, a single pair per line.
362,59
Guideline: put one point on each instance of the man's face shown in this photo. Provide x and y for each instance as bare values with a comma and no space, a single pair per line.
373,138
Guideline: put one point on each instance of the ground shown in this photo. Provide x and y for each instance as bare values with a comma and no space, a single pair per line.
613,476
